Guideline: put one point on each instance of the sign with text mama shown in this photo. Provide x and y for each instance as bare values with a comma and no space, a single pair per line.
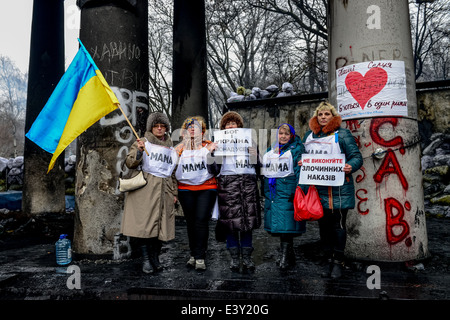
232,142
322,169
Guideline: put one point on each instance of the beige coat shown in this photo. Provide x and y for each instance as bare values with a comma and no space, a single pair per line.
148,212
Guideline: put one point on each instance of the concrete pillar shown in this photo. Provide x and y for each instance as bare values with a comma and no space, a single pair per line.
388,223
42,192
116,35
189,80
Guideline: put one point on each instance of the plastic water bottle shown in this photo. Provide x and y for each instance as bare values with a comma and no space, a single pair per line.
63,250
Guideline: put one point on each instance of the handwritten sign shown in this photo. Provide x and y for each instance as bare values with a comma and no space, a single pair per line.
371,89
161,160
192,167
322,169
232,142
277,166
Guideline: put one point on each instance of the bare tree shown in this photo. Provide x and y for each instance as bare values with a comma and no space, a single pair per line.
13,89
309,20
430,25
245,48
262,42
309,15
160,56
240,41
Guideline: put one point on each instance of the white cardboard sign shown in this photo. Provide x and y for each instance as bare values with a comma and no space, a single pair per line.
322,169
231,142
371,89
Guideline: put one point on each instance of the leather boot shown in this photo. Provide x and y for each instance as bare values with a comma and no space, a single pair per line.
291,254
146,267
285,258
247,258
336,273
327,270
235,258
158,246
153,256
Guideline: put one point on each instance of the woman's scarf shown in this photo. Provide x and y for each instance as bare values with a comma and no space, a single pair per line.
281,150
193,142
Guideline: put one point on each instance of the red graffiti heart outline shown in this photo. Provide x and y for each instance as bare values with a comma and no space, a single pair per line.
364,88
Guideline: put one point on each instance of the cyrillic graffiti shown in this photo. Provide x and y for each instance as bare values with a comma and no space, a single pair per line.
397,228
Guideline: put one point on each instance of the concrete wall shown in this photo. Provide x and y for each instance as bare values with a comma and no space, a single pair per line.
433,99
434,127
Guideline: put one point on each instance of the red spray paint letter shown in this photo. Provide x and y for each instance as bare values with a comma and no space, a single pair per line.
375,125
395,221
390,165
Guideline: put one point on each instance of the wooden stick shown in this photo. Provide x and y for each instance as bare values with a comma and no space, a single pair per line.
131,126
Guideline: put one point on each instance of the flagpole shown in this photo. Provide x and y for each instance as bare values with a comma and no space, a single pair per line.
131,126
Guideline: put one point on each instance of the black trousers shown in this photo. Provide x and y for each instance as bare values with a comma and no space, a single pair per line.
197,208
333,233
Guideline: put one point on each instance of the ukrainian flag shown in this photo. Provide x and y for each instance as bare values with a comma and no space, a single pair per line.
81,98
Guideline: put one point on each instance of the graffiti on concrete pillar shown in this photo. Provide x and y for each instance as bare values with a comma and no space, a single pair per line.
397,228
116,50
129,83
390,166
375,125
129,101
361,201
394,221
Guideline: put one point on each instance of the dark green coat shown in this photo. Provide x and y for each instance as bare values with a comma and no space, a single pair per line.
279,209
342,197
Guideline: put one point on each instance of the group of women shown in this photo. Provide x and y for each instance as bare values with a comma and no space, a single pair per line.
218,184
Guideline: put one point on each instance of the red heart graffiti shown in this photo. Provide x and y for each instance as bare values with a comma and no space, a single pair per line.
363,88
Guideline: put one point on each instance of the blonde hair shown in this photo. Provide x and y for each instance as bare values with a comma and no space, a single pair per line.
285,127
325,106
198,120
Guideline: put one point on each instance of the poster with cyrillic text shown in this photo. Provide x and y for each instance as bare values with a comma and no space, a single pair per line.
371,89
322,169
232,142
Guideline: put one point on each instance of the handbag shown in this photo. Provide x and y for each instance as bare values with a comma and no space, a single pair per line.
307,207
133,183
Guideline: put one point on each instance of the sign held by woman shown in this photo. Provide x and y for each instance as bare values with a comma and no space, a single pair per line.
322,169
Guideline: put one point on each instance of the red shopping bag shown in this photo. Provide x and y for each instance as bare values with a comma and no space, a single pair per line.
299,204
307,207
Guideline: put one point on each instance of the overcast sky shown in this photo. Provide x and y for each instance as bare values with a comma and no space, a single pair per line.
15,30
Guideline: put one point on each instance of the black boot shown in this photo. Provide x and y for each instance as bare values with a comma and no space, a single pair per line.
328,268
291,254
247,258
146,267
336,272
158,246
235,258
153,254
286,255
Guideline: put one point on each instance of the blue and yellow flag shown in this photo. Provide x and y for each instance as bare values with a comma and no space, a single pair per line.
81,98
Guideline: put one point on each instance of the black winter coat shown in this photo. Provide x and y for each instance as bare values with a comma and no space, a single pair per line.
239,203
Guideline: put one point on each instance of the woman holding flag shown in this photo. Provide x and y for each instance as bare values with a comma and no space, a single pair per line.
281,179
327,137
151,219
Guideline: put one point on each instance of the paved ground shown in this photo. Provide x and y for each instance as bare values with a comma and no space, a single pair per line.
28,272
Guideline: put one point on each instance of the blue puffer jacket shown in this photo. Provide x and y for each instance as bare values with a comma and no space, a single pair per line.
341,197
279,208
